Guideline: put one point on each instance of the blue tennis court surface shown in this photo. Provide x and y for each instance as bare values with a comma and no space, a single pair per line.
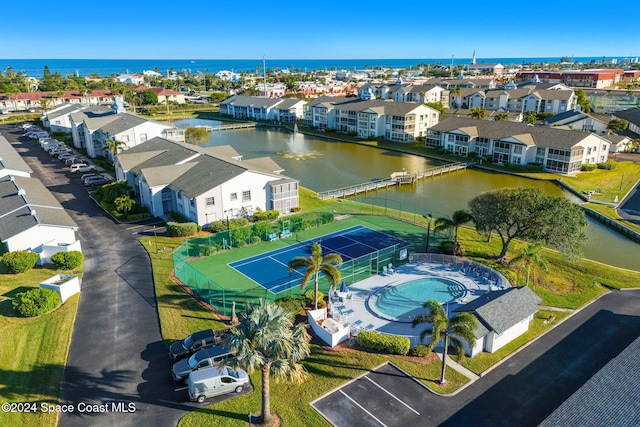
270,270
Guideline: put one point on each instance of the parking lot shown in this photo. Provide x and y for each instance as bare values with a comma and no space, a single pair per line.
385,396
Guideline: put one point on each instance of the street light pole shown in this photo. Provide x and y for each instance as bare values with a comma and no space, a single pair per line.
428,218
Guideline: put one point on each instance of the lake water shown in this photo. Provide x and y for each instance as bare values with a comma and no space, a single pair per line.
322,165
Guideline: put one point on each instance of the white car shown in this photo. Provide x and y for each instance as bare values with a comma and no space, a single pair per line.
82,168
73,161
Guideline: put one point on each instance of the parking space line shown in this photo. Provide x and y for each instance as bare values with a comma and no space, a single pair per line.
395,397
359,406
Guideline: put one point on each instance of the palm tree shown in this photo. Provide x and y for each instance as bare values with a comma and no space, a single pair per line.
266,339
532,257
458,218
460,326
315,264
114,146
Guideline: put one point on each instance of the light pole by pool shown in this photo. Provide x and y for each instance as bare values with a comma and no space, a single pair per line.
428,217
226,214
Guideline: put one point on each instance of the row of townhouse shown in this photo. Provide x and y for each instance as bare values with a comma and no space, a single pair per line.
287,110
404,92
557,150
92,126
204,184
596,79
33,101
518,100
401,122
31,218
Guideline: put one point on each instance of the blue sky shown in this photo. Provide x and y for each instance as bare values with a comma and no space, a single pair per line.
213,29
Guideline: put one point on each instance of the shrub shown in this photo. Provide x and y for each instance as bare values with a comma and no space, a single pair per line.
608,165
308,299
266,215
238,222
587,167
67,260
294,305
392,344
178,218
446,247
185,229
35,302
19,261
217,226
420,350
205,251
134,217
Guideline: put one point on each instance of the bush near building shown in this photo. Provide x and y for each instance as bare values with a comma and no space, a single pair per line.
19,261
67,260
392,344
181,229
35,302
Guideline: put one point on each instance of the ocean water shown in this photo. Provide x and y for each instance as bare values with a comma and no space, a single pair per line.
105,67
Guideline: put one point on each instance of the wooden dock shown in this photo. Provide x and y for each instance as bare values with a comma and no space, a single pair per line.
396,178
248,125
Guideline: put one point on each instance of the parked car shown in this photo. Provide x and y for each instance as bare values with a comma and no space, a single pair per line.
214,382
98,180
83,168
86,176
73,161
202,359
194,342
59,150
65,156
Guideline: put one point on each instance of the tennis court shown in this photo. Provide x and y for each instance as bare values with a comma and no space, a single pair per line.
270,270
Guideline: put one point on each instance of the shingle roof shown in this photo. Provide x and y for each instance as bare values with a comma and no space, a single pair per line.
201,167
16,210
378,105
246,101
500,310
502,129
609,398
10,159
64,109
94,117
564,116
122,122
631,115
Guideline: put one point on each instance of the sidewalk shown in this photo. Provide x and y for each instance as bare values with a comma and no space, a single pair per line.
461,369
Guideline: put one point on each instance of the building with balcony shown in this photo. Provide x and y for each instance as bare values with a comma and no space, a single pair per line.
557,150
394,121
286,110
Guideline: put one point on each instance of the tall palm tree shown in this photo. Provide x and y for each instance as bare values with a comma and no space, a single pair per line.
458,218
532,257
460,326
114,146
316,264
266,339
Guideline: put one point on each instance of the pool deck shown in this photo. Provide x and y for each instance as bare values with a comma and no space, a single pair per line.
356,311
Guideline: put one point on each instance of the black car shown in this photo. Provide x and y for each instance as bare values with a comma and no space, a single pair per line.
194,342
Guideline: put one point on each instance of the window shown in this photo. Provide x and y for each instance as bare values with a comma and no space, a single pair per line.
234,196
246,196
517,149
192,202
125,138
210,201
143,137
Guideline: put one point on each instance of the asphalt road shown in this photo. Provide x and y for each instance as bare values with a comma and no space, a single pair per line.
116,355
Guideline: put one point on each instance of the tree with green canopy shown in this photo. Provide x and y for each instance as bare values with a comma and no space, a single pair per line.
530,215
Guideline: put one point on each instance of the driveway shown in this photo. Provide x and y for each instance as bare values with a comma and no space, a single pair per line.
117,357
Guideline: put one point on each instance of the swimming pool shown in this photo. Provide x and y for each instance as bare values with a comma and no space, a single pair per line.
404,301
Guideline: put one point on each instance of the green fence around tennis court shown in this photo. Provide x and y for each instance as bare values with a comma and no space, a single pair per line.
222,295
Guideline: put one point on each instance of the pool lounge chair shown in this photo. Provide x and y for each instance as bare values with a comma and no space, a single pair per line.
384,270
391,269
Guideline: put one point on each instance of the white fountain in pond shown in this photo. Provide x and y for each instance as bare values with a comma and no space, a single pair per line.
293,142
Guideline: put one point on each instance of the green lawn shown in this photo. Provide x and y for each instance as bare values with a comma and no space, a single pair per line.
33,351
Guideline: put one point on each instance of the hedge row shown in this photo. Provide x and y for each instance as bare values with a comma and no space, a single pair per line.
185,229
385,343
266,215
